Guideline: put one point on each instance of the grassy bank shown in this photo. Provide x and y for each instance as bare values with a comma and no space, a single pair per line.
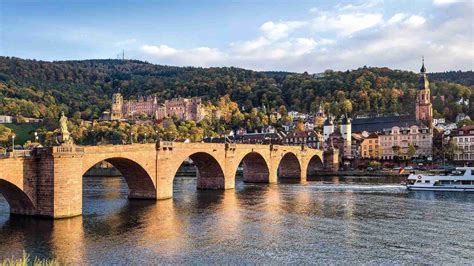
23,132
27,260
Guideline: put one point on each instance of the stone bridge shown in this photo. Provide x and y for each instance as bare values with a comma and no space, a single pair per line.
48,181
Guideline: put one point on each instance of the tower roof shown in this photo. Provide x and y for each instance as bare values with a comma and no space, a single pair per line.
423,83
328,121
423,69
346,120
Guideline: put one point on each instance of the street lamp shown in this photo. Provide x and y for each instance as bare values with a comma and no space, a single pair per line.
36,137
145,137
131,137
13,143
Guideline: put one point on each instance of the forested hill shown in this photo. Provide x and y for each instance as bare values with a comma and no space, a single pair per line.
460,77
35,88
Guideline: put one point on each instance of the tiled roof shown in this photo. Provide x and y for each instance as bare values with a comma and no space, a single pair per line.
378,124
302,134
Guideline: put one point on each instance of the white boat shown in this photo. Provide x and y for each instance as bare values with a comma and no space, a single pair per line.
461,179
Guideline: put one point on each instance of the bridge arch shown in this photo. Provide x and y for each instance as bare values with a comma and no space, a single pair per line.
255,168
19,201
289,166
209,172
315,164
140,183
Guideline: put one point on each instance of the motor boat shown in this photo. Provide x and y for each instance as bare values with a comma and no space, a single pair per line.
460,179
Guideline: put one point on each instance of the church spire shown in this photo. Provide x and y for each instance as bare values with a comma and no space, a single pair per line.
423,69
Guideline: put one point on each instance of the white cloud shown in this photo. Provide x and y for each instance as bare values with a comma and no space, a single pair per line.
367,4
447,2
342,38
200,56
346,24
159,51
279,30
415,21
397,18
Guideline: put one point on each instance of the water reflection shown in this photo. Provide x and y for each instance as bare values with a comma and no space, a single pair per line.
331,220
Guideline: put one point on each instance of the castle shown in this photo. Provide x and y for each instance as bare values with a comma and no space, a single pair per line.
181,108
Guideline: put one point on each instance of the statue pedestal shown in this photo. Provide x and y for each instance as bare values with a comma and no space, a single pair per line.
65,139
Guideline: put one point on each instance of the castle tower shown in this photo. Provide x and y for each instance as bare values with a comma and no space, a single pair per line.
328,128
346,132
424,109
346,129
117,104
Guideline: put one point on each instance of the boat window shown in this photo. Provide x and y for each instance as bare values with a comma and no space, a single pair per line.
458,172
418,181
427,181
466,182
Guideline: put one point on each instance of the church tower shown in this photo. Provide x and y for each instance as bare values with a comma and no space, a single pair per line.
424,109
117,104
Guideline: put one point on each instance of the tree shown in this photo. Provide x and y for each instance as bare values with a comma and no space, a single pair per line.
282,110
374,164
346,106
465,122
411,151
396,150
5,135
300,126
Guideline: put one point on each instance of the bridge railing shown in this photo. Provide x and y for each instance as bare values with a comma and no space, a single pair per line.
166,145
16,154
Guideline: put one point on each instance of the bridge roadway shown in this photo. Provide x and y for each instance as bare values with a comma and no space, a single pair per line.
48,181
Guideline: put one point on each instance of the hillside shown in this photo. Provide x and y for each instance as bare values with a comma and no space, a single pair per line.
43,89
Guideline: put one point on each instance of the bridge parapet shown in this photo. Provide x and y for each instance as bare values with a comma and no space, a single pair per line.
60,150
16,154
165,145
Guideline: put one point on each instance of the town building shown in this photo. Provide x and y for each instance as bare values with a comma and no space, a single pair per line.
369,147
149,107
248,138
309,138
6,119
462,116
396,141
463,138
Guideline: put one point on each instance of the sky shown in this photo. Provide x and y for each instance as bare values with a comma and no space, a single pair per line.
294,36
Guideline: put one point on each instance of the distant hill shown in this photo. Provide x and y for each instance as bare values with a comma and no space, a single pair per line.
43,89
465,78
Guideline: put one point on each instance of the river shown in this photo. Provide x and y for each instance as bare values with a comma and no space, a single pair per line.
338,220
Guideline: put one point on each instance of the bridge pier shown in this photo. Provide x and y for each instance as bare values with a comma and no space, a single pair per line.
59,181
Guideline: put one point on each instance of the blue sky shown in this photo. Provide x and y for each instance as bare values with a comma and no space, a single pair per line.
263,35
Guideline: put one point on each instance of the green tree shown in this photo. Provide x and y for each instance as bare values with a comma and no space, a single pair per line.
411,151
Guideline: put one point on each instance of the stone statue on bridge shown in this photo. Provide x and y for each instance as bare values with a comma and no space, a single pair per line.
65,136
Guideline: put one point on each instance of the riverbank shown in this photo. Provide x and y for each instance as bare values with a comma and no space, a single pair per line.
363,173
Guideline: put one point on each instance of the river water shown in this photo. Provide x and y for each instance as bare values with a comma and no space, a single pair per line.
332,221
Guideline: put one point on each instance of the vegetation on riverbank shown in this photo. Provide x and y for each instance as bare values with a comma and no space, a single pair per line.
27,260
